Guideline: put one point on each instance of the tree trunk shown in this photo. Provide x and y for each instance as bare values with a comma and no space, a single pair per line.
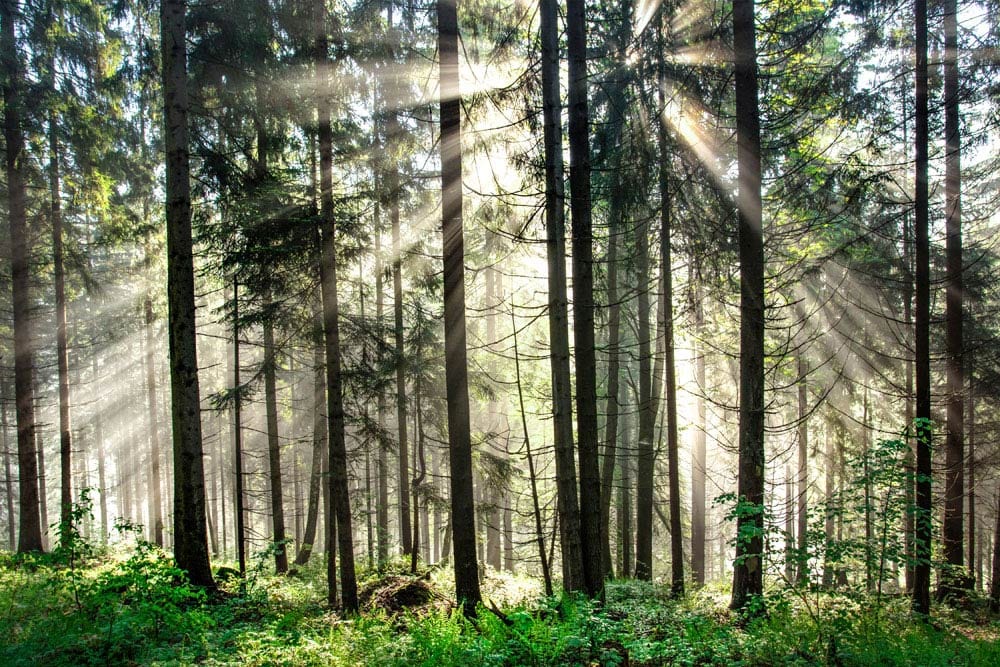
190,538
555,250
29,526
274,447
748,571
611,409
382,504
7,474
318,447
239,506
532,478
803,446
338,483
667,319
155,501
977,579
62,358
953,581
995,579
647,416
463,513
583,299
699,454
922,530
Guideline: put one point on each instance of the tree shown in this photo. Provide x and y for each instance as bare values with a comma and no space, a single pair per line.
922,529
29,527
555,251
190,534
953,532
463,513
583,298
337,453
748,569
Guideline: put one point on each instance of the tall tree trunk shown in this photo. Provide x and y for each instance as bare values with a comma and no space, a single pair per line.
29,526
338,482
803,447
611,409
555,250
828,524
239,505
382,504
922,531
190,538
699,454
62,357
319,444
647,415
532,478
463,514
492,492
953,581
977,581
667,318
995,578
748,571
7,474
274,447
155,499
392,183
583,298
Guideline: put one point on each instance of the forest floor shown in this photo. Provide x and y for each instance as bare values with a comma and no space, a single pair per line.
125,609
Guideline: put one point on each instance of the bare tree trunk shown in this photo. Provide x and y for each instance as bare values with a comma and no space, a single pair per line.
239,506
338,482
803,446
555,249
699,454
62,357
29,525
463,513
977,579
748,580
922,536
7,476
190,538
155,498
274,448
611,409
647,415
953,581
532,478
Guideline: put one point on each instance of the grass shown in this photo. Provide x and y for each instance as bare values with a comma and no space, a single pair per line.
134,608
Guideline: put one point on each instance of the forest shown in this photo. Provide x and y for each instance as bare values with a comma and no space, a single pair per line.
500,332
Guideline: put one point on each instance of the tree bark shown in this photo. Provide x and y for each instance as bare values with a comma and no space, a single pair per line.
922,530
319,445
583,299
190,538
463,516
699,453
614,372
647,416
29,525
954,580
748,581
803,446
156,501
555,250
337,457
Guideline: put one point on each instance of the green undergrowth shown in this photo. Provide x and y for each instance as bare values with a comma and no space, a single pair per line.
134,607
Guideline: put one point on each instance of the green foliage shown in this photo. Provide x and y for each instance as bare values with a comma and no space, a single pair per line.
139,610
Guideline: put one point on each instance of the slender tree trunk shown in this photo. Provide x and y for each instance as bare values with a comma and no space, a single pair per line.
156,502
922,536
909,522
625,524
803,447
953,581
29,526
532,478
555,248
456,367
190,538
699,454
748,580
102,476
418,478
8,476
611,409
338,482
382,504
647,416
318,447
583,299
62,357
977,581
239,506
274,448
667,318
828,524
